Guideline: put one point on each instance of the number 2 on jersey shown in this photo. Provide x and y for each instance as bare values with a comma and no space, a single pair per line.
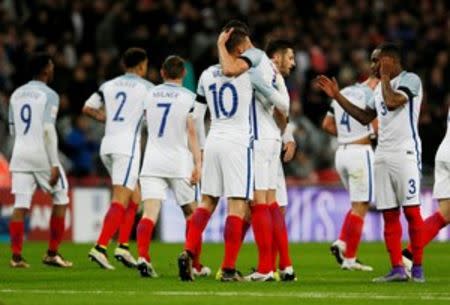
219,107
122,97
25,116
345,120
162,127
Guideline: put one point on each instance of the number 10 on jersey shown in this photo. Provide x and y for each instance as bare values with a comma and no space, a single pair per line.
218,98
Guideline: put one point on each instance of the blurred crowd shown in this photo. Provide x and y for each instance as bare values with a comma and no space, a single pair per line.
86,38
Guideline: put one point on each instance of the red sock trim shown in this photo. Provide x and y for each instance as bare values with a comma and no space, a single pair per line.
262,230
416,232
393,236
16,232
233,241
144,234
111,223
199,220
127,225
354,232
57,228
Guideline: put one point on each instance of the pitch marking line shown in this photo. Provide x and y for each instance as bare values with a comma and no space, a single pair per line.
296,295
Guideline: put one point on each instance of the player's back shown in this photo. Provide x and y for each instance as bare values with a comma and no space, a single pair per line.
229,100
31,105
167,153
348,128
124,105
398,129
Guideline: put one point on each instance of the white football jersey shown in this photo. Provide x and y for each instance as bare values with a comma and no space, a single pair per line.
229,100
398,128
167,154
31,106
443,152
263,69
123,98
349,129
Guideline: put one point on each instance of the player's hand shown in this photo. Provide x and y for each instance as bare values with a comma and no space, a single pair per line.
224,36
289,151
54,176
386,67
195,176
330,87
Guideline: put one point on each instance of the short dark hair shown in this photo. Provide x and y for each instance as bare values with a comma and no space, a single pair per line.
133,57
277,45
237,24
390,49
38,62
236,38
173,67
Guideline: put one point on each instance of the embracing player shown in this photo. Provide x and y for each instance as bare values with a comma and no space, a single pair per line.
171,137
265,214
32,114
397,99
354,163
120,104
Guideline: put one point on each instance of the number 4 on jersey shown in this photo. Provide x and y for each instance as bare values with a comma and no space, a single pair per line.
345,120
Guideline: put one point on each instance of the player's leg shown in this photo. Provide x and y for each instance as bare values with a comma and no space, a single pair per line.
387,203
360,173
23,187
237,208
408,193
339,246
57,218
198,222
260,213
122,252
124,177
441,217
280,237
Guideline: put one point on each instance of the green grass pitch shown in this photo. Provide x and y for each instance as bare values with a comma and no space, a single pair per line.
320,280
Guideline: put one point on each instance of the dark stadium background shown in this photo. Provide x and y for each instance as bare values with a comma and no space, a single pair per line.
330,37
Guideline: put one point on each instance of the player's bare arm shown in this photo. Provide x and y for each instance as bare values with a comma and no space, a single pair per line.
331,88
195,149
96,114
231,65
392,99
329,125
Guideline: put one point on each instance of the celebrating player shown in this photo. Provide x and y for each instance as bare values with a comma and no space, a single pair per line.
267,145
354,163
32,114
171,137
120,103
397,100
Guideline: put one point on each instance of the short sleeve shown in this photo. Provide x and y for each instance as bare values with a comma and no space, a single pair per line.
252,56
409,85
51,108
260,84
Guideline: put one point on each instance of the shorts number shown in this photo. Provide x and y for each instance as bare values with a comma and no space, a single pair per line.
345,120
162,127
219,107
122,98
384,109
412,186
25,116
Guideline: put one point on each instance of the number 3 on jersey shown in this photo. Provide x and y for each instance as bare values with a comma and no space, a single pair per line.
219,107
345,120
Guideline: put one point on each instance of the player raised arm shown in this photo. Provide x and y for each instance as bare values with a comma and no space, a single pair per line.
94,107
195,149
393,99
273,96
331,88
232,65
